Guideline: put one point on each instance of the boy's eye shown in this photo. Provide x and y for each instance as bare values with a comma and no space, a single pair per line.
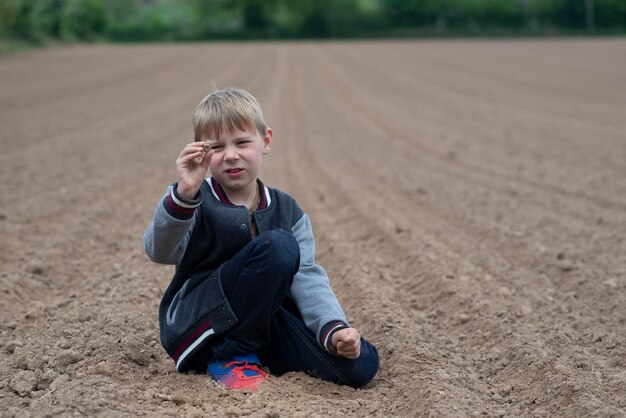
242,142
216,147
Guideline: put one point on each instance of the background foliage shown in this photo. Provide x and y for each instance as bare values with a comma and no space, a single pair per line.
171,20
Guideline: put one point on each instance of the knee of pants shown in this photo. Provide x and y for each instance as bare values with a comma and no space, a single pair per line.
364,368
283,251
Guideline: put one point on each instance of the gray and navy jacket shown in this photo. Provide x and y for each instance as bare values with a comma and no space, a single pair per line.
198,236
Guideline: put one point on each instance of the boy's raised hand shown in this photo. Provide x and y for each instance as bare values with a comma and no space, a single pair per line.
347,341
191,167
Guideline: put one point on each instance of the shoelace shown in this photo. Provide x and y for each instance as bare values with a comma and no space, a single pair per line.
240,368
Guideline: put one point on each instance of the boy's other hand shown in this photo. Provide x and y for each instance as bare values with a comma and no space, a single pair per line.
347,341
191,167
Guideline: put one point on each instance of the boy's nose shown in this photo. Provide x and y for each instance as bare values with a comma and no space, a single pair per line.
231,155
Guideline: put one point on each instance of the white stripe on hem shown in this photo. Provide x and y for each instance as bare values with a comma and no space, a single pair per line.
331,333
181,203
194,345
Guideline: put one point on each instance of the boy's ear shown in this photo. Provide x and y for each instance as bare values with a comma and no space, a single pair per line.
267,141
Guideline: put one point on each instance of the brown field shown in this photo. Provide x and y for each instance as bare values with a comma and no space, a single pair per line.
468,199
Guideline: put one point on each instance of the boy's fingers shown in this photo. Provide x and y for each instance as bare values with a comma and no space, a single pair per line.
347,349
347,341
186,153
351,354
351,349
340,345
195,144
348,345
354,350
192,147
206,160
189,157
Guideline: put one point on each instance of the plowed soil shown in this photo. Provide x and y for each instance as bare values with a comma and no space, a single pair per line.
468,200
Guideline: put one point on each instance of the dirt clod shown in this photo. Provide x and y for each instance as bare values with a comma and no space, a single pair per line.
67,357
12,345
23,383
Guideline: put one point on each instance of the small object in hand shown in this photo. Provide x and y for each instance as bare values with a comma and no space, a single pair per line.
207,146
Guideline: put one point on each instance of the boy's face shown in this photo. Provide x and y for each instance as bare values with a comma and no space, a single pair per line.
237,156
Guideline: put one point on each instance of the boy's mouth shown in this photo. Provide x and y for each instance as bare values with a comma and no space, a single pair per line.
234,172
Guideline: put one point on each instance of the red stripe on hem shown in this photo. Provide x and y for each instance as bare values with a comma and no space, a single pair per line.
177,208
338,323
190,339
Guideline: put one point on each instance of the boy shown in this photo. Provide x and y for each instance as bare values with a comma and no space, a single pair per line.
246,290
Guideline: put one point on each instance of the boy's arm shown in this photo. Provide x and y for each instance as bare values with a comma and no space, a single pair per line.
311,290
166,238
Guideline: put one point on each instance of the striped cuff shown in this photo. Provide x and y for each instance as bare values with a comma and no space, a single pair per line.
326,336
178,207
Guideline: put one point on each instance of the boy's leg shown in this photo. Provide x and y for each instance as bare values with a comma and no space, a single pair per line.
255,282
295,348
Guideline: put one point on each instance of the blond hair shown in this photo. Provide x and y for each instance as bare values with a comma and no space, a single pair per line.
227,110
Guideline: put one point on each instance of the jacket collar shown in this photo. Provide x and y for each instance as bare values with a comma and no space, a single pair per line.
220,194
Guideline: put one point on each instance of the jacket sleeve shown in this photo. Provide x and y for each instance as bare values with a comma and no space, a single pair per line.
167,236
311,290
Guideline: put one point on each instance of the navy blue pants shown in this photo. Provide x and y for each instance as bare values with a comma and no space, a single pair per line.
256,282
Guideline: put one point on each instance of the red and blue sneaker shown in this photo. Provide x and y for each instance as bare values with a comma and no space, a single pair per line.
240,373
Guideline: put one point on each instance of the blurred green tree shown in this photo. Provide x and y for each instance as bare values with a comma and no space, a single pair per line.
37,20
15,19
45,18
82,19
